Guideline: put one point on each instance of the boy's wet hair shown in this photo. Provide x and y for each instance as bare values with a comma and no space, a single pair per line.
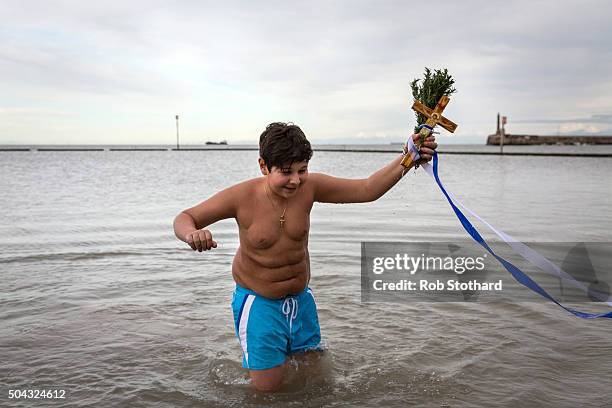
283,144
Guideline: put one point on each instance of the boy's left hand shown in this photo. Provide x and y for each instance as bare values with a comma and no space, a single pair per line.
427,149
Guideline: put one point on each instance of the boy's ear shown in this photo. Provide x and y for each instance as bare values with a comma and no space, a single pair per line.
263,167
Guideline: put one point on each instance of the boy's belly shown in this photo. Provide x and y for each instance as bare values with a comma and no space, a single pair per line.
272,280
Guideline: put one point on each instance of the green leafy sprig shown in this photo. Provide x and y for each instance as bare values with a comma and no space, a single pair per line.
430,89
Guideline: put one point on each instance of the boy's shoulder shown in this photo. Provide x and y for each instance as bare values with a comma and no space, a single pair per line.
244,188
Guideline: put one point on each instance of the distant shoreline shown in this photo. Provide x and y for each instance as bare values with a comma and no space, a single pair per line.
390,148
535,140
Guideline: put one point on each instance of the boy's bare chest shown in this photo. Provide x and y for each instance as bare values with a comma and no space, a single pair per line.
263,226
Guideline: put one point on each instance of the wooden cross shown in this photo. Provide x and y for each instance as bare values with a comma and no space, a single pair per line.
434,117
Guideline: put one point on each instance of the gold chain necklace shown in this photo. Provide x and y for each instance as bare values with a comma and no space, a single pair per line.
281,220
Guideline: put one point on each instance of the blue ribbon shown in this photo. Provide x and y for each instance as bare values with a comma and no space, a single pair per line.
519,275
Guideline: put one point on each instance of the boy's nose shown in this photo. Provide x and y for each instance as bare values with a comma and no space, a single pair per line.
295,179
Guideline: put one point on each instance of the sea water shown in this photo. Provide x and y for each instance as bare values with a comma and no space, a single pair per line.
98,298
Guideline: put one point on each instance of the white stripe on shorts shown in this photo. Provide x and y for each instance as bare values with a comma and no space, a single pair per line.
242,327
311,294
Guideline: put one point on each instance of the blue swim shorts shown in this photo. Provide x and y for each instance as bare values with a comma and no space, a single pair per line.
271,329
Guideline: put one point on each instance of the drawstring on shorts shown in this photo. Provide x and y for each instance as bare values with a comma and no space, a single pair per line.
290,310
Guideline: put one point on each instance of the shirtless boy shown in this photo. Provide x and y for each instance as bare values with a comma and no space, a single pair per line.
274,310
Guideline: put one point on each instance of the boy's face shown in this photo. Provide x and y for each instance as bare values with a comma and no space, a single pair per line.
287,179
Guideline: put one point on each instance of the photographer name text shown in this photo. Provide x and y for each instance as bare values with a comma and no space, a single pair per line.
437,285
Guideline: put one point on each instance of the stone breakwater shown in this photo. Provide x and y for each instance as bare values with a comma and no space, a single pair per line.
548,140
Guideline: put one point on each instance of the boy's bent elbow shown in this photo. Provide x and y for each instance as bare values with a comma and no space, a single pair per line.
182,224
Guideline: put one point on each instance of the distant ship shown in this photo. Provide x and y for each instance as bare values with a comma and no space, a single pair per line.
223,142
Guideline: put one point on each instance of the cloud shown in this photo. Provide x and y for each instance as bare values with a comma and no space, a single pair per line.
573,128
33,112
340,67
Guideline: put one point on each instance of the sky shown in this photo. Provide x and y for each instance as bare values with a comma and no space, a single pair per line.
117,72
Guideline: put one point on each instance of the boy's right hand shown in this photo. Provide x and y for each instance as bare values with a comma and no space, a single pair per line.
200,240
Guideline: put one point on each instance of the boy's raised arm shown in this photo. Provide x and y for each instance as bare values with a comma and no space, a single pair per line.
330,189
